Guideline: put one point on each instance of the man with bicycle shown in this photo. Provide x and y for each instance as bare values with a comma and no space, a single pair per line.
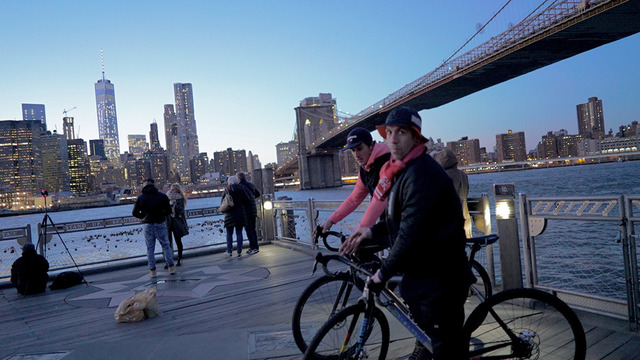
425,227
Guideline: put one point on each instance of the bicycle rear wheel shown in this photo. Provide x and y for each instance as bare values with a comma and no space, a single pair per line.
337,338
525,324
322,299
483,282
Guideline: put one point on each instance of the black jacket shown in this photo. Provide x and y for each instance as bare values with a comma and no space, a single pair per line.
425,226
29,273
370,178
237,216
151,206
253,193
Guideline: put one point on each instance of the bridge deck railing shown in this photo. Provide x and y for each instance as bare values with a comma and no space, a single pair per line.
583,249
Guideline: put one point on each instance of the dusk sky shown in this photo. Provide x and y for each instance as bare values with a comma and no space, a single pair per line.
252,62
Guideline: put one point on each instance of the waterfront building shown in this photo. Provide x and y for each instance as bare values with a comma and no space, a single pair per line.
630,130
511,147
154,141
199,166
466,150
609,145
78,166
229,162
314,118
285,151
187,135
591,119
138,145
55,162
110,175
253,163
107,118
21,161
34,112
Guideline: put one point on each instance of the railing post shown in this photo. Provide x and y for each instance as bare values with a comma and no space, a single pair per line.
311,210
627,234
509,245
268,226
527,243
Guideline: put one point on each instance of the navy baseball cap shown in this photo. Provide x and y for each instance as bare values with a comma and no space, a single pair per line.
358,136
403,116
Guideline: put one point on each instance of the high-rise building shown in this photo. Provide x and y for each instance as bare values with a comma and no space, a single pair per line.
466,151
159,167
286,151
21,160
187,144
96,147
171,137
511,147
107,118
67,128
55,162
591,119
253,163
314,118
34,112
154,141
138,145
78,166
229,162
199,166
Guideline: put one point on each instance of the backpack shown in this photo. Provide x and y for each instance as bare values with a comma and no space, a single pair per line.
65,280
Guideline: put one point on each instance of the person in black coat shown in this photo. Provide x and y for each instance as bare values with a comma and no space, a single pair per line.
29,272
252,212
236,217
177,221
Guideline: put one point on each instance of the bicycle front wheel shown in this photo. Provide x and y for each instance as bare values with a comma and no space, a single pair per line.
525,324
338,338
322,299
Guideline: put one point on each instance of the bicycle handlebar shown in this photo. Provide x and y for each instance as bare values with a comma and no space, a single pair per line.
324,259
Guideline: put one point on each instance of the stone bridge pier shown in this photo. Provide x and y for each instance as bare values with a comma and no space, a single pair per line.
319,171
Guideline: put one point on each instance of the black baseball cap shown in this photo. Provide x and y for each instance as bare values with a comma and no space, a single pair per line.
358,136
403,116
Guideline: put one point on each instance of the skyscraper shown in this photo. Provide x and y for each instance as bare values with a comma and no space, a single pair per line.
55,162
34,112
187,142
78,166
154,141
107,118
591,119
171,137
67,128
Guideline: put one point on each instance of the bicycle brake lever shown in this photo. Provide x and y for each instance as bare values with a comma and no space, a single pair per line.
315,266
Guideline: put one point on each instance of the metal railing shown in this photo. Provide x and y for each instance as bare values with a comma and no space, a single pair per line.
583,249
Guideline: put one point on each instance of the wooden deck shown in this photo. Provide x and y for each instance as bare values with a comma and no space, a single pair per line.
215,307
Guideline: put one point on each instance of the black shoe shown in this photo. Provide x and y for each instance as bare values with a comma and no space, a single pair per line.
179,263
166,267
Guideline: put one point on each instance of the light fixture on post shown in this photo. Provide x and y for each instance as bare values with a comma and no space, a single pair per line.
509,245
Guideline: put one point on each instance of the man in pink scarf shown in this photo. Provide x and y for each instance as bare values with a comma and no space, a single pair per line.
424,225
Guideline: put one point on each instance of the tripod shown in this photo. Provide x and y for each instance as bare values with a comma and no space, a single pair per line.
42,236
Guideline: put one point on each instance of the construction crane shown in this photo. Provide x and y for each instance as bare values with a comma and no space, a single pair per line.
65,111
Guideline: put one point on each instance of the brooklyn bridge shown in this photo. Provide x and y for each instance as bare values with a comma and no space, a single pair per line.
544,37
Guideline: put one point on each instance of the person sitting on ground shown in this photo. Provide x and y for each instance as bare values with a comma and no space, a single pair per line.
29,272
370,156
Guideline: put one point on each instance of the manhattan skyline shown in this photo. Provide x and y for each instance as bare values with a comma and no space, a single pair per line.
251,63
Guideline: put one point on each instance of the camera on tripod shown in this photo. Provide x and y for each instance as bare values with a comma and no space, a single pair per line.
44,193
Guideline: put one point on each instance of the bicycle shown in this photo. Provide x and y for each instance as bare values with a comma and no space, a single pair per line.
332,292
516,329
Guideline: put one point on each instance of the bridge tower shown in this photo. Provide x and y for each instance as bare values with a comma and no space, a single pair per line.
314,118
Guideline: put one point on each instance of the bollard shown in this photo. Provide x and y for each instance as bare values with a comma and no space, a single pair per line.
507,224
268,227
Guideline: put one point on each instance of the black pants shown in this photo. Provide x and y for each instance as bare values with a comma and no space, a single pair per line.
438,309
252,236
178,242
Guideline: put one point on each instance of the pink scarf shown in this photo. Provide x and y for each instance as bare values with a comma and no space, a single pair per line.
392,168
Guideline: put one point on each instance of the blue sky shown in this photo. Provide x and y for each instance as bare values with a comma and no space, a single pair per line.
252,62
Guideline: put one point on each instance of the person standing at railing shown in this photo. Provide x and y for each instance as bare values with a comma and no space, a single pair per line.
447,159
252,212
177,221
425,226
236,217
152,207
370,156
